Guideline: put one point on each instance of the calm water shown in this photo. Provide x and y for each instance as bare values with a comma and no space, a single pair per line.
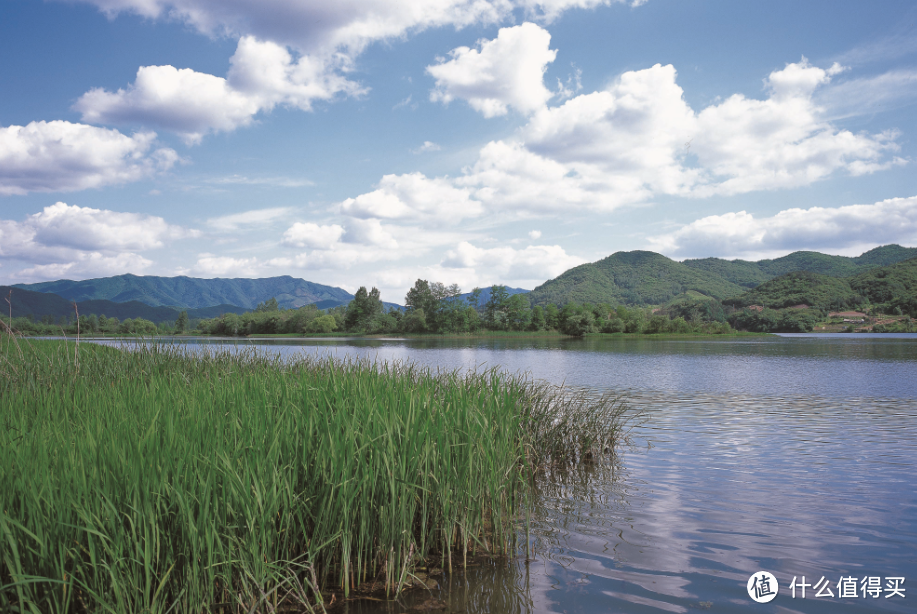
794,455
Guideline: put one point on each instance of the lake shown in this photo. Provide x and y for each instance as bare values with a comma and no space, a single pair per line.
791,454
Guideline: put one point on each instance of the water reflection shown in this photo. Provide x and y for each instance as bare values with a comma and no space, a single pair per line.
843,366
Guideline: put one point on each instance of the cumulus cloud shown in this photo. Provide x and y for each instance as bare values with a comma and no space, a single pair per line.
534,263
85,228
506,72
262,75
852,229
328,37
62,156
314,236
534,234
71,240
638,139
780,142
211,265
414,196
316,25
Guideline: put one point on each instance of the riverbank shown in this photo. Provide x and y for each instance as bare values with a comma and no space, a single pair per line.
511,335
156,479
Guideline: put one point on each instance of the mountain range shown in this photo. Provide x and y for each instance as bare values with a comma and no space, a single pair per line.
636,278
647,278
192,293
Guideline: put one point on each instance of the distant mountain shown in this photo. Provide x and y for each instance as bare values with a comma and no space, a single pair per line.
752,274
631,278
192,293
37,304
485,294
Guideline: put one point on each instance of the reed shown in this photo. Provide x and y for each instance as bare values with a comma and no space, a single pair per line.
157,480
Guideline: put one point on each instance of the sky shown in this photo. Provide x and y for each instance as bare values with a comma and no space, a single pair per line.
375,142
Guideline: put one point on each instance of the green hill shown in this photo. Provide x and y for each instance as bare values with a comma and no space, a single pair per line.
752,274
27,303
891,287
740,272
801,288
631,278
193,293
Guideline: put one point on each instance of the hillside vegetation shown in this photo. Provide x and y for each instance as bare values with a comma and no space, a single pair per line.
753,274
193,293
801,288
631,278
51,307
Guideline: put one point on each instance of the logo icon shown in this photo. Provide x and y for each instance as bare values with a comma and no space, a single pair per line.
762,586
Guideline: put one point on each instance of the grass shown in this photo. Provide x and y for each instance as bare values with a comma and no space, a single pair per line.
157,480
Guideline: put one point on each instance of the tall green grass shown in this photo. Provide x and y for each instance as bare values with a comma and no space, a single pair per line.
156,480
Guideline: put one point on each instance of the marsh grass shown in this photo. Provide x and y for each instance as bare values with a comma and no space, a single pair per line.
158,480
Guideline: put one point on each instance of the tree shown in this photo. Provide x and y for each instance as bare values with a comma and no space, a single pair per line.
414,321
494,309
419,297
578,324
538,321
268,305
517,312
363,309
474,298
322,324
551,317
182,322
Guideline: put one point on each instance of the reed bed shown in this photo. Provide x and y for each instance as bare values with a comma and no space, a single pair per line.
157,480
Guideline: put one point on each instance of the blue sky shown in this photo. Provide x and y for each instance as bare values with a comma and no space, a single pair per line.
372,142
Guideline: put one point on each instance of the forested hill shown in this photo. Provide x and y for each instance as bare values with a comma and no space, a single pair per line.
38,305
192,293
631,278
752,274
890,289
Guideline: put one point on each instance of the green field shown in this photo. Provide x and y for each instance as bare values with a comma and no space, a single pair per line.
155,480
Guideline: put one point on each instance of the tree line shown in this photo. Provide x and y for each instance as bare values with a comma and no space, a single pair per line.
434,307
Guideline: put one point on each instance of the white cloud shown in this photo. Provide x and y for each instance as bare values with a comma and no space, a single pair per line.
507,72
638,139
509,176
369,233
780,142
247,219
534,234
414,197
192,104
62,156
86,265
851,229
533,264
313,25
328,36
427,146
307,234
210,265
84,228
78,241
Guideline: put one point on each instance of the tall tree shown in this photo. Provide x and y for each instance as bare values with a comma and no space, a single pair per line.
494,309
182,322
